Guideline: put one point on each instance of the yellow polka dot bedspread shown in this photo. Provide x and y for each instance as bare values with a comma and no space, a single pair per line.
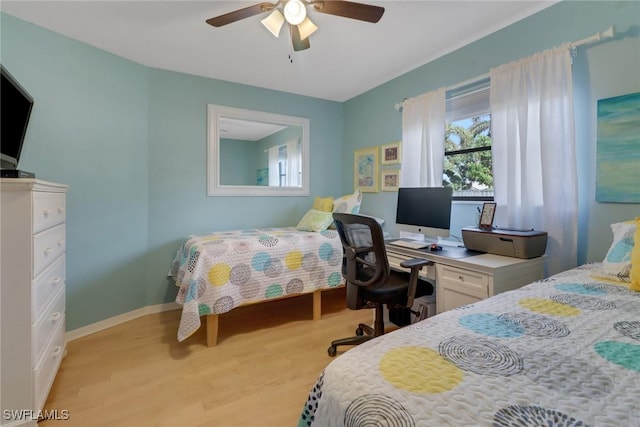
217,272
563,351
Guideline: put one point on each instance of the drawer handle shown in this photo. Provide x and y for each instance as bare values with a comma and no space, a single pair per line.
56,316
56,280
60,210
56,351
60,243
47,212
47,251
461,278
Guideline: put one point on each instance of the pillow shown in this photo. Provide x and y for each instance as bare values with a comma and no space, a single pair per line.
378,220
323,204
635,259
617,263
349,203
315,220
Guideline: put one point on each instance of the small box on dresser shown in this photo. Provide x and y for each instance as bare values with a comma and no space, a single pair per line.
32,294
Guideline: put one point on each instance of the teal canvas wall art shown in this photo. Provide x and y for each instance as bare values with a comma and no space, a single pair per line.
618,150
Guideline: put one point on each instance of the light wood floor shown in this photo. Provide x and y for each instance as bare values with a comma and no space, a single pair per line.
137,374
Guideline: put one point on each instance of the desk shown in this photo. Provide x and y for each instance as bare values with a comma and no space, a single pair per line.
463,277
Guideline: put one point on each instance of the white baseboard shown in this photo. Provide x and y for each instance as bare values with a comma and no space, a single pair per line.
121,318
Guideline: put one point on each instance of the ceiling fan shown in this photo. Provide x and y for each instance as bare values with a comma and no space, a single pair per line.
294,13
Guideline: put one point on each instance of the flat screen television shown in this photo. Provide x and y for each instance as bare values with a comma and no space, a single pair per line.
424,210
15,111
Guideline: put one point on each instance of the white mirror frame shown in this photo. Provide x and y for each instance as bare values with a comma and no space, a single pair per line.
216,188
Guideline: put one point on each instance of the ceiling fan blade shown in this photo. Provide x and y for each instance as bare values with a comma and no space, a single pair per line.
298,43
349,9
239,14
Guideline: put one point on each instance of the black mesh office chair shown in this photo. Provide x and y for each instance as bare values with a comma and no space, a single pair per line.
370,281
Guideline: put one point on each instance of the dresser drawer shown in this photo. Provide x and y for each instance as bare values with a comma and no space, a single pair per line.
45,372
47,246
48,210
465,281
48,322
45,285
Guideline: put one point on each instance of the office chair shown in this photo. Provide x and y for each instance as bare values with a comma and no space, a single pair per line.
370,282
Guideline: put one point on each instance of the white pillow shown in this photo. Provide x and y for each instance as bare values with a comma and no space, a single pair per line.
617,263
378,220
349,203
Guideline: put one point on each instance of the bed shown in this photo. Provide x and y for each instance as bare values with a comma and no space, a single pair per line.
563,351
217,272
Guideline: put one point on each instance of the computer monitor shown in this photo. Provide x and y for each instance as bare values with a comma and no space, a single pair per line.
424,210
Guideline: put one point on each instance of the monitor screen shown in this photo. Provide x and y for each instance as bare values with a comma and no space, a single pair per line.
424,210
15,110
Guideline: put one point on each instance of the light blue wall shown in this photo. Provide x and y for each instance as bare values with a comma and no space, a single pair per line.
241,161
605,69
131,143
88,129
178,201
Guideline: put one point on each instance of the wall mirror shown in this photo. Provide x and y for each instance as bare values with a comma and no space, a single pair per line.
254,153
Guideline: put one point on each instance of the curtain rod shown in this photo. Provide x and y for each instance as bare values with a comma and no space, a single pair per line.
608,33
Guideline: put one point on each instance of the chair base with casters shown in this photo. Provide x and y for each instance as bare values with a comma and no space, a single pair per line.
369,280
363,329
365,332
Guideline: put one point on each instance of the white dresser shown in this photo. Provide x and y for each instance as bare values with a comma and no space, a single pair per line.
32,297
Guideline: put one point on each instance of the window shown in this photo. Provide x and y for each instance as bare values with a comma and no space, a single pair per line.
467,158
285,163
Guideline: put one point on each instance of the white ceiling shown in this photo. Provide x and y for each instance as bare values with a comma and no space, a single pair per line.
347,57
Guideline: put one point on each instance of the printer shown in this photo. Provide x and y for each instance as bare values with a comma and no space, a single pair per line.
501,241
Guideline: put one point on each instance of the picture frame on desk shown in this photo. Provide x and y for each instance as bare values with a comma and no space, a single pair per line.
487,215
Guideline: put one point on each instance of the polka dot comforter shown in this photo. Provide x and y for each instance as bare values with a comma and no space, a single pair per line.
217,272
564,351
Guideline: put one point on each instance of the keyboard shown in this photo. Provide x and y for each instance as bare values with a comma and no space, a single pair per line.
410,244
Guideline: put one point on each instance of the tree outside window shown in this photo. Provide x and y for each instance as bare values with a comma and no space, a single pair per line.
467,162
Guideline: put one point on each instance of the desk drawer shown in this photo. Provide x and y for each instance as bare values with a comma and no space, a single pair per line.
46,285
47,246
50,320
48,210
465,281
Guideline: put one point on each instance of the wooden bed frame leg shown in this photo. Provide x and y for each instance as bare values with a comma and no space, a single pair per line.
317,305
212,330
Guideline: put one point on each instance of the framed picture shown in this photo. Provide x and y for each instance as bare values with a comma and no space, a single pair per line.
390,180
391,153
486,216
365,169
618,144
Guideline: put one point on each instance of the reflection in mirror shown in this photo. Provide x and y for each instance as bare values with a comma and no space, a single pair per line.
257,153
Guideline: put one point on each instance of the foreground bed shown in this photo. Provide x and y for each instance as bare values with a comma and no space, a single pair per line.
564,351
217,272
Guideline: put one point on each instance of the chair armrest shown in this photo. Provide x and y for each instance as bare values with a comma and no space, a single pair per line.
415,264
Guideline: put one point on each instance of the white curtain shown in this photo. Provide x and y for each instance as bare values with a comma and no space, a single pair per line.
274,173
423,126
534,155
293,163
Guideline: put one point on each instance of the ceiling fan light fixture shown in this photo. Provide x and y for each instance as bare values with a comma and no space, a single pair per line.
294,12
274,22
306,28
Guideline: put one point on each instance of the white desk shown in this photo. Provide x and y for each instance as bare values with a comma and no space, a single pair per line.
461,280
